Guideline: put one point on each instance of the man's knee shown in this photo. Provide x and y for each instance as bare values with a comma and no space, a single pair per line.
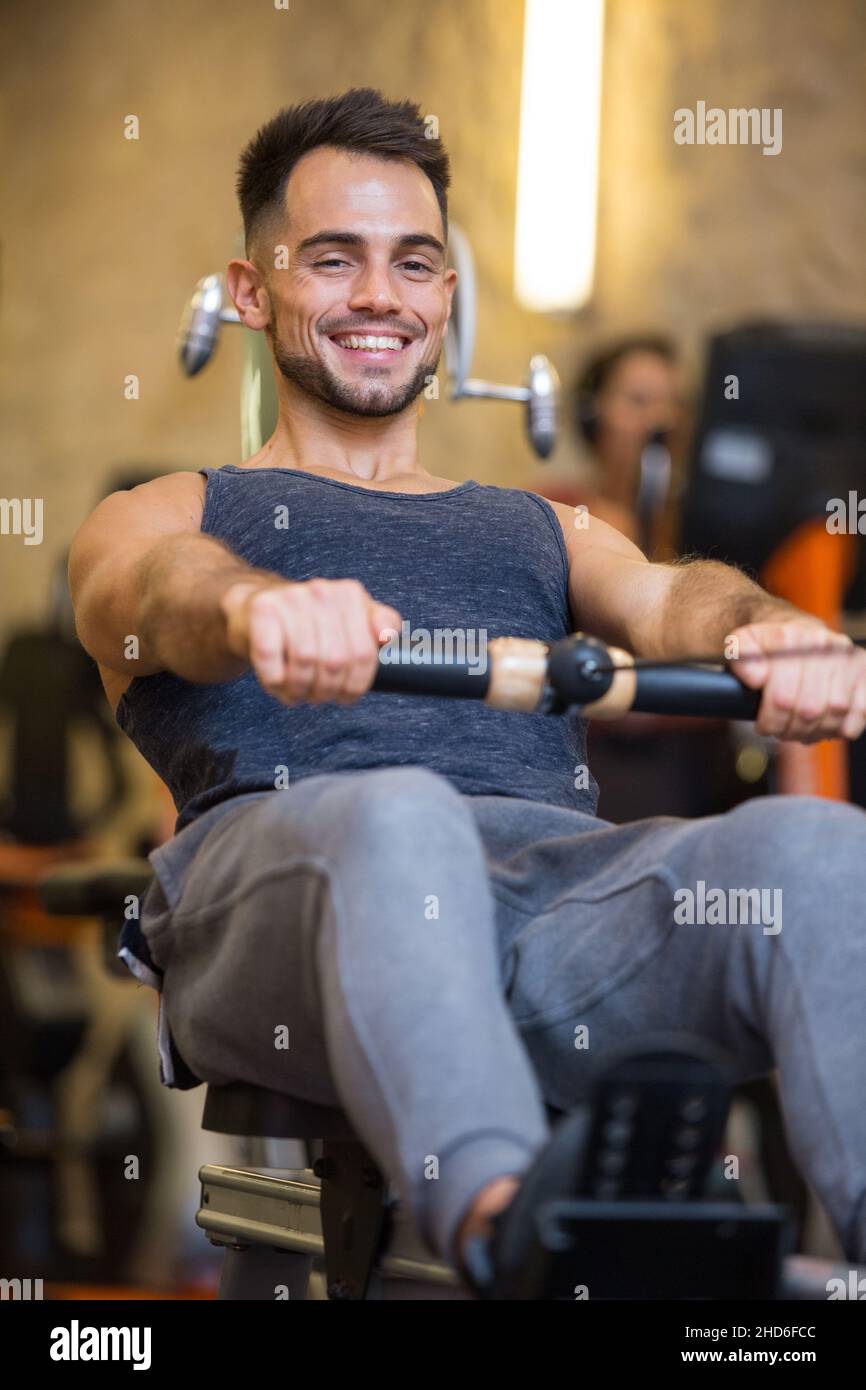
803,859
409,806
806,840
409,810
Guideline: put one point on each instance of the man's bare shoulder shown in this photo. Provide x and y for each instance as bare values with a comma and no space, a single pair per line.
128,521
571,519
184,489
564,512
584,528
171,503
122,528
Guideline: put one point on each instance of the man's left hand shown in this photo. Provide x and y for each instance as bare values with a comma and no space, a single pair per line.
806,698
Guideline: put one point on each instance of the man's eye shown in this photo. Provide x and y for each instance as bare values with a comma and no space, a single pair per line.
332,260
416,265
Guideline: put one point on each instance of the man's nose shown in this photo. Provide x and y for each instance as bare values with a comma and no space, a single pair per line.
374,287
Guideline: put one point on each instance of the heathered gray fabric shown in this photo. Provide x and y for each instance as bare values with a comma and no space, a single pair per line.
474,557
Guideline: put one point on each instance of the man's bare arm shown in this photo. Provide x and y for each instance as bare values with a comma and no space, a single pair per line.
706,601
662,611
147,585
667,612
151,593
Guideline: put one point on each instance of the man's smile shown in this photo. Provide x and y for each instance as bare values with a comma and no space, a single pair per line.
371,347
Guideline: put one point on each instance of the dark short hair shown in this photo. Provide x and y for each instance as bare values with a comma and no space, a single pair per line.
361,120
598,369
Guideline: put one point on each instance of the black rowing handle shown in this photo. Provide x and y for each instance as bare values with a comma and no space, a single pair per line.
523,674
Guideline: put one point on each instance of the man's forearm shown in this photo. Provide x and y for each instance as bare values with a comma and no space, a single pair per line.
182,626
705,601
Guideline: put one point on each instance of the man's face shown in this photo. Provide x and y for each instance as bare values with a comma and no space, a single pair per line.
365,258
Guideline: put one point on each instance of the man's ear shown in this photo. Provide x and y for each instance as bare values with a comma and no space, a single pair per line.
248,293
450,282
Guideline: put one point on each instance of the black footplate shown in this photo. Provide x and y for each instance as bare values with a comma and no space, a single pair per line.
639,1228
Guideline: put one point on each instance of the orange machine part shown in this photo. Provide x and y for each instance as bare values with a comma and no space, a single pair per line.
813,569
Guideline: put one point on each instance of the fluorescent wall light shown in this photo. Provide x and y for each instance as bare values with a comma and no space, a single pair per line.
557,175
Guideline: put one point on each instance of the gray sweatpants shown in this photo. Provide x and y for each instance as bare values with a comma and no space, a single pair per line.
438,965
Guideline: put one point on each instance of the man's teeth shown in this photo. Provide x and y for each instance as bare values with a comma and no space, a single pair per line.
369,343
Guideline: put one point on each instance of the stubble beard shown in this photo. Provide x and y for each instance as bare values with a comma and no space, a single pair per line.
371,397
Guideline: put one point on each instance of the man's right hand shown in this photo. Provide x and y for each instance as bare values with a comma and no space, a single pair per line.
308,642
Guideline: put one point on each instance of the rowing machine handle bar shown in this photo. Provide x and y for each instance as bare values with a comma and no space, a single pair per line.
580,665
523,674
695,690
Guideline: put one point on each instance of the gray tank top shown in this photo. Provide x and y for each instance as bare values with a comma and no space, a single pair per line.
475,557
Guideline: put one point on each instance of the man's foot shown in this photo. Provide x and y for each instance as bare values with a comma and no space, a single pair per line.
478,1220
658,1110
495,1234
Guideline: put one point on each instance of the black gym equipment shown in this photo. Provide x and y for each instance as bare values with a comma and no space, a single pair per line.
782,429
50,690
605,682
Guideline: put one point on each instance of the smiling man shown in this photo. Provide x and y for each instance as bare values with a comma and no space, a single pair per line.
415,892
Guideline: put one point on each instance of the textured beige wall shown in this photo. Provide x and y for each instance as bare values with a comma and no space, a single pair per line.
102,238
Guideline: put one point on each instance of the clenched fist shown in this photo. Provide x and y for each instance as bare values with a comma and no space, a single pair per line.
308,642
805,698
